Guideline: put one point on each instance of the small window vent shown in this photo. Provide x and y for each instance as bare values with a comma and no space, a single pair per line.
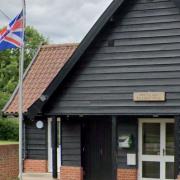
111,43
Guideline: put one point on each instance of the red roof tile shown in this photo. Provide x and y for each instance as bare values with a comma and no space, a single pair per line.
48,62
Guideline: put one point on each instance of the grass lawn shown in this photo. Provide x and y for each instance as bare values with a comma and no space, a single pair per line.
8,142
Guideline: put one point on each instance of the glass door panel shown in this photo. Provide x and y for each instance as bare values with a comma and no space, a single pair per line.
170,139
151,150
151,170
151,139
169,170
169,150
157,148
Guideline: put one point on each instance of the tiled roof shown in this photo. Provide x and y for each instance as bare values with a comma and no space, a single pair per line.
48,62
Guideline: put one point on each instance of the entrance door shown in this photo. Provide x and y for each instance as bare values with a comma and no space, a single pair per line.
50,145
156,149
97,149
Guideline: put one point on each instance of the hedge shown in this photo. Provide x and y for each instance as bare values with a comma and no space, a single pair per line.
9,129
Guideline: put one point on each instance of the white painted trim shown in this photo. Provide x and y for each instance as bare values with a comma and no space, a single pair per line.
156,158
156,120
59,147
49,146
149,179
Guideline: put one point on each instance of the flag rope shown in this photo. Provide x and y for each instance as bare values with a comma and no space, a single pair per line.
5,15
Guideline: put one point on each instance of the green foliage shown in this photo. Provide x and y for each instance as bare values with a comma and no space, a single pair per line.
3,98
32,40
9,72
9,63
9,129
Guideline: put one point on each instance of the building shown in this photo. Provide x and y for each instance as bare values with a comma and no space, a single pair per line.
118,97
47,62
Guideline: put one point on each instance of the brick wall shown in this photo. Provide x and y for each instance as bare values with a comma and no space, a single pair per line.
126,174
71,173
35,166
9,162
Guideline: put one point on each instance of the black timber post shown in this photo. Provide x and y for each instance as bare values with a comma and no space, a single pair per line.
54,146
177,145
114,148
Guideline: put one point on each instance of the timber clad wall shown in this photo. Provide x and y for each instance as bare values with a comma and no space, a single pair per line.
138,50
127,126
36,141
71,143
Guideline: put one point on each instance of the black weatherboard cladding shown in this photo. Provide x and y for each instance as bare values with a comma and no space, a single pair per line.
145,56
177,2
36,141
71,142
127,126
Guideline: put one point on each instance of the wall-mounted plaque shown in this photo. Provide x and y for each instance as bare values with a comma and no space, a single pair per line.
149,96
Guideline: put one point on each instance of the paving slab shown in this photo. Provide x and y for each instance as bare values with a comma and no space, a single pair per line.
37,176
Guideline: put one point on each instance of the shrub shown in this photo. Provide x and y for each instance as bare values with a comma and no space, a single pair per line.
9,129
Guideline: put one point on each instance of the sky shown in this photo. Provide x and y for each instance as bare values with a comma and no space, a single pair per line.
62,21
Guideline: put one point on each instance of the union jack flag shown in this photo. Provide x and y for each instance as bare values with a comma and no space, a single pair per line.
11,36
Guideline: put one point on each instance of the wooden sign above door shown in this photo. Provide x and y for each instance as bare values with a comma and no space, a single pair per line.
149,96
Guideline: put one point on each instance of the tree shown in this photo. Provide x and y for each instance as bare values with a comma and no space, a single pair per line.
32,39
9,62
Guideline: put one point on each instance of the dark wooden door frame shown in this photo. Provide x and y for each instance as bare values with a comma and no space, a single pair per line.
177,139
114,148
54,147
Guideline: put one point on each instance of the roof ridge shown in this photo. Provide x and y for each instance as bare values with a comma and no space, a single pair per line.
59,45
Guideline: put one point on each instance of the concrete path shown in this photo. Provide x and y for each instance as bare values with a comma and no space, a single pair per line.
36,176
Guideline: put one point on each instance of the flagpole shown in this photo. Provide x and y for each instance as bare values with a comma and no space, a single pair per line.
21,69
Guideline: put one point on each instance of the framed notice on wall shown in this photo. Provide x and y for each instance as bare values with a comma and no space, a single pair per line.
149,96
